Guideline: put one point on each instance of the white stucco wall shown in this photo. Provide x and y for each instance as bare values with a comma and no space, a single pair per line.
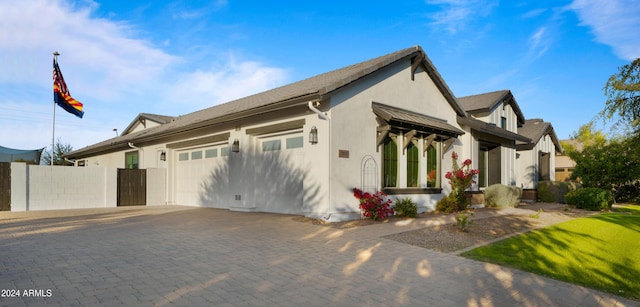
156,186
528,164
353,128
39,187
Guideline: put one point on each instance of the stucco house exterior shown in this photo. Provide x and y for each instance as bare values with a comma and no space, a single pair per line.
536,159
494,121
383,124
389,123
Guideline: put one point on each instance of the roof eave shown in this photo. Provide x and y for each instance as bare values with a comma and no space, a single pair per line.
122,142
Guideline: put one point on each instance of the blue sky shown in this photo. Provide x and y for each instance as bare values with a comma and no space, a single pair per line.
121,58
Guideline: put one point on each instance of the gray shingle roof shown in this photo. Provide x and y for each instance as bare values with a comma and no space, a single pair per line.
485,127
485,102
535,129
305,90
160,119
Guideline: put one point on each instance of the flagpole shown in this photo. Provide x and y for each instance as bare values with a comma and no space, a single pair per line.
53,130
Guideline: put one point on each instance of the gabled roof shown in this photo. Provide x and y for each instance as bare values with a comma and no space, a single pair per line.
491,129
142,117
314,88
482,103
535,129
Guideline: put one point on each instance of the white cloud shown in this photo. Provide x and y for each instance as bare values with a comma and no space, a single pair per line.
457,14
108,67
204,88
539,43
614,23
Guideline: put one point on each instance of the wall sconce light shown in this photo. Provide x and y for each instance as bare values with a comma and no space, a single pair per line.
236,146
313,135
163,156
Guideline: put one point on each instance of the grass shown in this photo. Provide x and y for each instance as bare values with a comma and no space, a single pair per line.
600,252
633,209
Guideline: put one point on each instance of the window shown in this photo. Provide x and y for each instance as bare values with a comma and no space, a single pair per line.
503,122
196,155
483,166
412,165
131,160
295,142
211,153
390,162
183,156
432,167
271,145
224,151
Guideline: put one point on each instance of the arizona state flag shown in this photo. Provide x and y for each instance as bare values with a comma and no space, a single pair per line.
61,95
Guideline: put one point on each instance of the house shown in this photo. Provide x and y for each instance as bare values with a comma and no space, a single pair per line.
510,149
389,123
564,164
383,124
494,121
536,159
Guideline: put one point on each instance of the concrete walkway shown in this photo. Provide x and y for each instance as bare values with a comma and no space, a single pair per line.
170,255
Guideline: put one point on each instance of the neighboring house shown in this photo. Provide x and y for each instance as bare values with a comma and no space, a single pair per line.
564,167
564,164
536,159
493,122
389,124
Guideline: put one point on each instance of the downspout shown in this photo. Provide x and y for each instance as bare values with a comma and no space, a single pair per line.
313,108
324,116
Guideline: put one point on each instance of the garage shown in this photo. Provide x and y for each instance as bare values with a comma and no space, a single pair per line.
202,176
280,174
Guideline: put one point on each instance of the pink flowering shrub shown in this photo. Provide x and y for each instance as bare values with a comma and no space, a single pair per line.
460,178
374,206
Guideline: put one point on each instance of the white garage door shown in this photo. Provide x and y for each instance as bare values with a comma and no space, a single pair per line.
280,174
201,176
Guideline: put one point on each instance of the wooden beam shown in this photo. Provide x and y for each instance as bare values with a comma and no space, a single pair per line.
407,138
447,145
290,125
415,63
383,132
427,142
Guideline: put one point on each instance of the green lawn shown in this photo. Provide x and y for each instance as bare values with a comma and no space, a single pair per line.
600,252
633,209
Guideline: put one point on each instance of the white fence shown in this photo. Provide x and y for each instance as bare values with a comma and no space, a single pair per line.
37,187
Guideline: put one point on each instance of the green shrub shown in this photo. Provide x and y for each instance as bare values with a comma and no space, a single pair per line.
628,193
593,199
502,196
554,191
448,204
405,207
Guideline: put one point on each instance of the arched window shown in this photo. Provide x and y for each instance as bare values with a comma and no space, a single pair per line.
413,168
390,163
433,173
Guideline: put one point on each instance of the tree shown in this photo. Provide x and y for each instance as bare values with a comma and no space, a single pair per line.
586,135
612,166
60,150
623,95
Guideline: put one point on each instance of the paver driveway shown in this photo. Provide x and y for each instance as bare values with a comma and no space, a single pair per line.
171,255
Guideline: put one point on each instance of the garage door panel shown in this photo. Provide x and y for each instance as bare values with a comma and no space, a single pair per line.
201,179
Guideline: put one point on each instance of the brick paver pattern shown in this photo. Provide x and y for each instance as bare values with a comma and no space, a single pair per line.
183,256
